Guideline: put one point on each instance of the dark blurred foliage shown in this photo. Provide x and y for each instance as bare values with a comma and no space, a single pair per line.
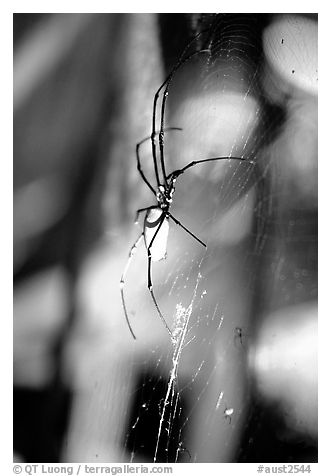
59,131
24,23
141,442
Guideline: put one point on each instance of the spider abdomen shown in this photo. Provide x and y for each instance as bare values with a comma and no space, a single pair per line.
156,230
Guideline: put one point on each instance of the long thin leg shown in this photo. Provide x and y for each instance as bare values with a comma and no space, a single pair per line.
140,170
167,83
178,172
150,283
186,229
122,282
167,129
156,170
161,133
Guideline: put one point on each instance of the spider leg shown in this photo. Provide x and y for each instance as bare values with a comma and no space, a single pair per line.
122,282
167,129
161,133
164,99
139,167
150,283
187,230
178,172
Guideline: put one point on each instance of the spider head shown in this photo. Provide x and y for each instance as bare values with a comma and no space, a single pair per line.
164,196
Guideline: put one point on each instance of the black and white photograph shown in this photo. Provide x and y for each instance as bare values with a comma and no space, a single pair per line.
165,240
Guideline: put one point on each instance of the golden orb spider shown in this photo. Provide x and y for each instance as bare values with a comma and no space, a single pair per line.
156,221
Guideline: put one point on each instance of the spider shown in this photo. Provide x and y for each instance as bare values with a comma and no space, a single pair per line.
156,222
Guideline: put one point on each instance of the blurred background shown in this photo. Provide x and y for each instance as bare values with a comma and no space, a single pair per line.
246,381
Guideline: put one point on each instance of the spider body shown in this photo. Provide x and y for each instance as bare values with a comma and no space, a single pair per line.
165,193
154,218
156,222
157,218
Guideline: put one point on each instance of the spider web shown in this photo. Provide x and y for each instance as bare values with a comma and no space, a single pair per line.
193,397
199,384
193,400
